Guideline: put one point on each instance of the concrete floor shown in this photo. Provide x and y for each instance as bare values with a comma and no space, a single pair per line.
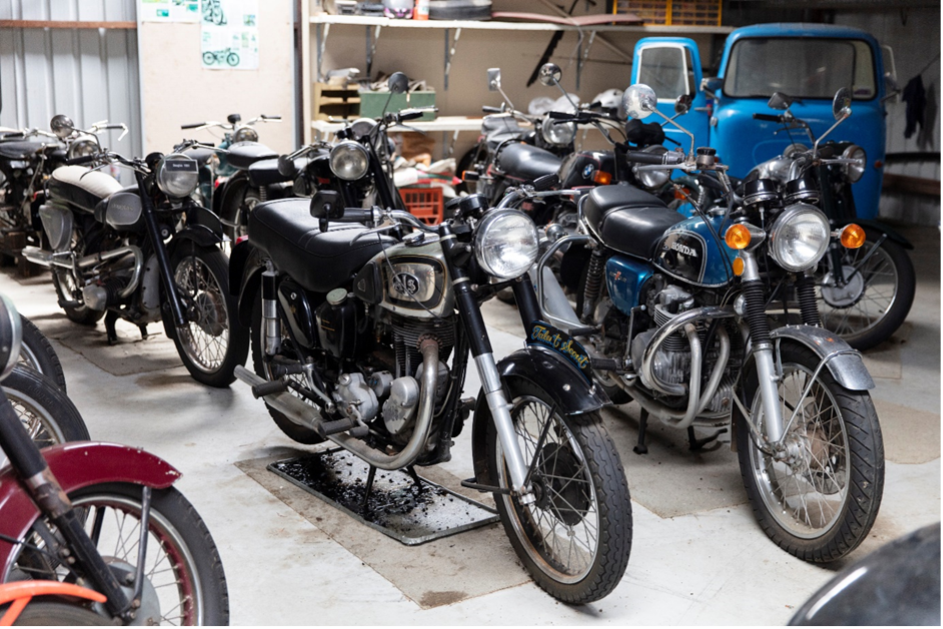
697,558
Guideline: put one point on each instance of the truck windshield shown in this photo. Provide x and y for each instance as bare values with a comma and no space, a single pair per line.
800,67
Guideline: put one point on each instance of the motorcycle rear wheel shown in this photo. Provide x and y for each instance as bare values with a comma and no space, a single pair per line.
37,353
213,341
576,538
820,505
54,614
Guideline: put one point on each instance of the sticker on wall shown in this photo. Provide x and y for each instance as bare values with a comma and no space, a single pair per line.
230,34
170,10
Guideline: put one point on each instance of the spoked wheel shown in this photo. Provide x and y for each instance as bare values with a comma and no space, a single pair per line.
184,579
263,368
818,499
38,354
213,341
52,614
876,297
575,538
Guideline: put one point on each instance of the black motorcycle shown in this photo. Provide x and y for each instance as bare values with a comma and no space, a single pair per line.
143,254
362,336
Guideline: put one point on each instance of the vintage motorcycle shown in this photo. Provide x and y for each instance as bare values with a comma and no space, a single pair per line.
362,337
677,306
864,294
103,523
143,254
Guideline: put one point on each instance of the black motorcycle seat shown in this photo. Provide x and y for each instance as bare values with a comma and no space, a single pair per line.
19,149
320,261
526,162
81,187
265,172
244,154
200,154
628,220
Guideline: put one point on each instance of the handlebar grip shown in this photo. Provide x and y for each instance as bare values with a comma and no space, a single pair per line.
192,126
492,110
559,115
264,117
768,117
354,215
85,159
642,157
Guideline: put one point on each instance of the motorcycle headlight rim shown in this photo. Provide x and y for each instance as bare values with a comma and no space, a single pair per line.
245,134
177,175
652,179
799,237
854,172
506,243
82,148
557,134
349,160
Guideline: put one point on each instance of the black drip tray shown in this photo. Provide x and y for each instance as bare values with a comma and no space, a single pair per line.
410,509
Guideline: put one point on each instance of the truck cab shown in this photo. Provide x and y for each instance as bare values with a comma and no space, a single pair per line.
808,62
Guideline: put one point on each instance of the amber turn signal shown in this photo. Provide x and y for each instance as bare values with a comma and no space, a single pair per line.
738,266
602,178
737,237
852,236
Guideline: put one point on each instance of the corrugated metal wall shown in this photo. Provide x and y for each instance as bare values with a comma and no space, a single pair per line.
88,74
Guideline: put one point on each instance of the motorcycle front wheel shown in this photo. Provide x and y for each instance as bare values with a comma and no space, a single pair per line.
213,341
48,415
818,501
575,538
184,579
53,614
37,353
877,297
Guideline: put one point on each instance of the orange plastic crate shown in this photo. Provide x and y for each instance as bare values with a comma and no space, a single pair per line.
673,12
649,11
424,203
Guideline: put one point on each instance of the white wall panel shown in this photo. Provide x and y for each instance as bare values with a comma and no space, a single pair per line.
88,74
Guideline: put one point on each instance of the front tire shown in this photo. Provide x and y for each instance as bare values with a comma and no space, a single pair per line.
576,538
46,613
49,416
876,300
37,353
820,503
213,342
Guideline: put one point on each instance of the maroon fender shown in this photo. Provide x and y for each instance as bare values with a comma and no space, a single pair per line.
76,465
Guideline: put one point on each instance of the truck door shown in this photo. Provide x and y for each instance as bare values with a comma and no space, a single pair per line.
672,66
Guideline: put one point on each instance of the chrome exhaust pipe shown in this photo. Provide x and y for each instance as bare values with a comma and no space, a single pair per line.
62,260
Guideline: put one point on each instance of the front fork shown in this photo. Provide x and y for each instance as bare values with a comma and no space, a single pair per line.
160,252
767,375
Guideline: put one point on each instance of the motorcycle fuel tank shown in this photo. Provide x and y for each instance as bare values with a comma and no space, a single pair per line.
414,280
625,278
694,251
581,168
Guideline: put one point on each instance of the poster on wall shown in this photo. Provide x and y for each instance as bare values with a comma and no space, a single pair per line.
170,10
230,34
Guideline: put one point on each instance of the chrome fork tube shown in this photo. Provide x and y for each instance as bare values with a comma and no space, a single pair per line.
270,328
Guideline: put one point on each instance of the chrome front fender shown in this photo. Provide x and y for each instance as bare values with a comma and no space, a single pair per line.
844,363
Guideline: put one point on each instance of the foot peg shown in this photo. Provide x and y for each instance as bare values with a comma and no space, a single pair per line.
268,388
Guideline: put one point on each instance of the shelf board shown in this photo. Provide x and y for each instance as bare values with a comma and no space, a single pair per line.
492,25
442,123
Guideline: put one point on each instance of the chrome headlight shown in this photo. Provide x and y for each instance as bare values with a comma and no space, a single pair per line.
506,243
799,237
361,127
652,178
349,160
11,335
177,175
245,134
557,134
82,147
854,172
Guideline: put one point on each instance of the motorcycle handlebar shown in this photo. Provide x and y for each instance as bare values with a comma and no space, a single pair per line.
769,117
642,157
192,126
355,215
412,114
85,159
492,110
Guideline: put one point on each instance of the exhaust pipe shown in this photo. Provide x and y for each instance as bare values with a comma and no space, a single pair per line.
309,417
62,260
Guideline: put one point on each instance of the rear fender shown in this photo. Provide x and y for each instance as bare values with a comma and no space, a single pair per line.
234,191
245,273
202,235
564,383
76,466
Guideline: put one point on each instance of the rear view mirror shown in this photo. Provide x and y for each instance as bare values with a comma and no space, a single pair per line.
712,85
398,83
683,104
841,104
779,101
639,101
286,166
550,74
327,204
494,79
62,126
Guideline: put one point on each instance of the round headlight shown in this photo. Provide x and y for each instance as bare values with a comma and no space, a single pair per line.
799,237
855,171
349,160
361,127
11,335
506,243
245,134
557,134
177,175
82,148
652,179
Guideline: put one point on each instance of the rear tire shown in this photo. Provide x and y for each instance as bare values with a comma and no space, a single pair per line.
37,353
590,495
40,613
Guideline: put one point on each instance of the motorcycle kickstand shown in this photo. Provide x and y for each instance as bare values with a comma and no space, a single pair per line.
695,444
368,488
143,328
111,318
641,447
417,482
